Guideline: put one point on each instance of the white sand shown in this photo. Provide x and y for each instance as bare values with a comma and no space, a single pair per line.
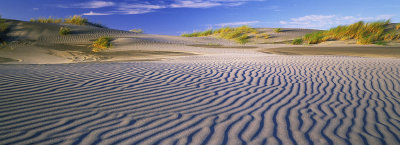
224,99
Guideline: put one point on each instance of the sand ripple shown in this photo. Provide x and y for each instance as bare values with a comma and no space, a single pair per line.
203,100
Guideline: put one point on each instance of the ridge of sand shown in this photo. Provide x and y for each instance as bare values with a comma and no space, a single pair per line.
229,99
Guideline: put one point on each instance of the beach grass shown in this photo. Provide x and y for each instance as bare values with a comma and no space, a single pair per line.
101,44
397,26
277,30
363,33
3,29
297,41
64,31
47,20
239,34
139,31
76,20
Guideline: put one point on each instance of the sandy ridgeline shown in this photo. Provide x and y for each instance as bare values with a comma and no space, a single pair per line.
205,91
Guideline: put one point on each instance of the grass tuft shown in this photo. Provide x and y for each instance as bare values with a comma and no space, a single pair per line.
363,33
3,29
101,44
397,26
298,41
76,20
46,20
239,34
277,30
64,31
139,31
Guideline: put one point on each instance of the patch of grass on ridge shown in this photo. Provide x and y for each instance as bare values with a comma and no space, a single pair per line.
3,29
101,44
64,31
239,34
363,33
75,20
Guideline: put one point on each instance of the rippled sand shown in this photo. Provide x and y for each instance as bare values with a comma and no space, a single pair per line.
230,99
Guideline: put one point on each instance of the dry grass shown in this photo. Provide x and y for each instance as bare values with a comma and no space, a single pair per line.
239,34
3,29
101,44
64,31
139,31
76,20
364,33
47,20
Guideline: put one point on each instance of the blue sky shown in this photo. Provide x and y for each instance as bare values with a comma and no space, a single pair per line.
173,17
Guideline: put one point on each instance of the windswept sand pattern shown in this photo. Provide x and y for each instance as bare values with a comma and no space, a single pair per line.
204,100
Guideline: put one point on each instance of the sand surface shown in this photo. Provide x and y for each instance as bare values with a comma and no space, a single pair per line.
198,91
225,99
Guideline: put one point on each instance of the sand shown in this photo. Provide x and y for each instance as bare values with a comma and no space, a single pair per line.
229,99
190,91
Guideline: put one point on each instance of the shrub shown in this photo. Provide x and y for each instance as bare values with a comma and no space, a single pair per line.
298,41
102,43
76,20
397,26
64,31
139,31
277,30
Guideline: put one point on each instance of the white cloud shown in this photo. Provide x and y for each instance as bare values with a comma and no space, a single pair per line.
90,5
237,23
35,9
195,4
327,21
91,13
137,7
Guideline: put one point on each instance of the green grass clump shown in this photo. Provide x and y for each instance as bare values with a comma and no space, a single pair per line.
363,33
277,30
139,31
242,39
76,20
314,38
101,44
46,20
298,41
239,34
64,31
3,29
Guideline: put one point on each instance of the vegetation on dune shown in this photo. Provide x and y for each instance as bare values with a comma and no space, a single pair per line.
46,20
139,31
397,26
298,41
64,31
239,34
277,30
363,33
3,29
101,44
75,20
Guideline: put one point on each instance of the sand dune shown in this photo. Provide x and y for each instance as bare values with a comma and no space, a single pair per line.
225,99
